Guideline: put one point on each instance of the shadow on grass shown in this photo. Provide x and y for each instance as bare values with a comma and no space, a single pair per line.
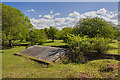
49,42
96,56
20,44
62,46
88,56
4,47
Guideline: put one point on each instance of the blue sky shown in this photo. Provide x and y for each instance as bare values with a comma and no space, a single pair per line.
61,14
60,0
62,7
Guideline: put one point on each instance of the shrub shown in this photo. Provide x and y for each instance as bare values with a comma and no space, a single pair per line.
81,45
78,46
100,44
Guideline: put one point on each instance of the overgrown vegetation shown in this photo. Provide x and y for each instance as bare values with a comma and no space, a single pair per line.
79,46
90,35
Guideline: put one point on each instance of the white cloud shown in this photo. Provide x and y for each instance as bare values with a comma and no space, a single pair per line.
51,16
40,15
57,14
31,10
48,16
72,18
74,14
102,11
51,11
90,14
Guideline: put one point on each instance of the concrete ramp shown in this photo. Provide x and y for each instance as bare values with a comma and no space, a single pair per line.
45,54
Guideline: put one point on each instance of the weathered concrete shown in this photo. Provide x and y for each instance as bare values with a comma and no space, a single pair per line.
44,53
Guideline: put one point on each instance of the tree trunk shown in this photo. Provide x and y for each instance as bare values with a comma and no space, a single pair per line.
53,40
3,42
10,43
31,43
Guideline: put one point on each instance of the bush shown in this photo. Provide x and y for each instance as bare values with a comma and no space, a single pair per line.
100,44
78,46
81,45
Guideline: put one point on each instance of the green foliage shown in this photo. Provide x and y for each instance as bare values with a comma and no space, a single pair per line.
118,34
15,25
47,32
37,36
77,42
100,44
53,33
79,46
94,27
64,32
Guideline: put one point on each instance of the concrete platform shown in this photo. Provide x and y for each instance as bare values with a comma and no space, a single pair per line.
45,54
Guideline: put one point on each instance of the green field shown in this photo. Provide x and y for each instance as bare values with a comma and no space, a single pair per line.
21,67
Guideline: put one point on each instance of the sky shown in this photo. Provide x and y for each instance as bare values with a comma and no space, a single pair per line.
65,14
60,0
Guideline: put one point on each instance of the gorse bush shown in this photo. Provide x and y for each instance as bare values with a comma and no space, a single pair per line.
81,45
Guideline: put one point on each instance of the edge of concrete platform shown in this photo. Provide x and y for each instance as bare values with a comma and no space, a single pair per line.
33,58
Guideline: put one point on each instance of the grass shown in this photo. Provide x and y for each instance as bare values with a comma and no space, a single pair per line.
115,50
22,67
56,43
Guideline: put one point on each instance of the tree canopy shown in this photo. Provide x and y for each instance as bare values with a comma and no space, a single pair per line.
95,27
37,36
64,32
15,25
53,33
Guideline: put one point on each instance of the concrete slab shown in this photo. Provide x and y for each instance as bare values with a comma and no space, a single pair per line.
43,53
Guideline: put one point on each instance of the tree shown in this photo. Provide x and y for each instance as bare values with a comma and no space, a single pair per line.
37,36
64,32
53,32
46,30
118,32
15,25
95,27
